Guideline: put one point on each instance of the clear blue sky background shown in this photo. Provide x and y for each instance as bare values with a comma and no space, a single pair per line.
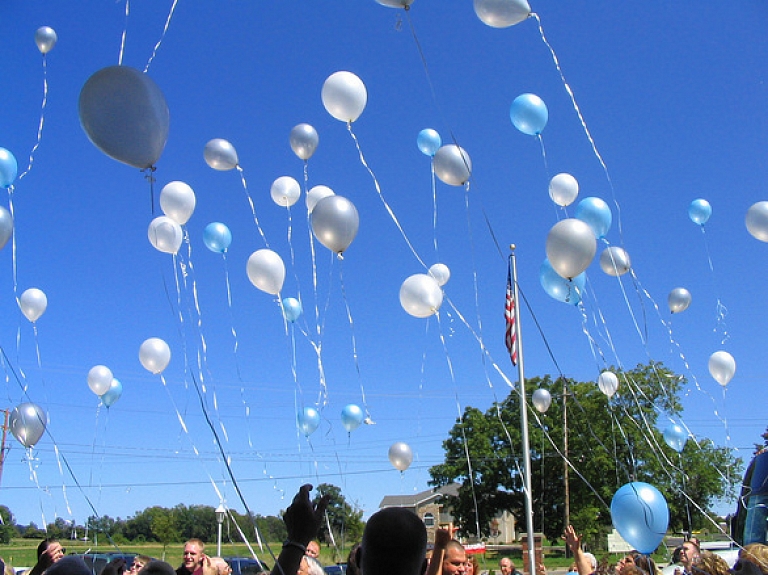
674,95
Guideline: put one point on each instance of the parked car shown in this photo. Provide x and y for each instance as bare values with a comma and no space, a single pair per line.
97,561
246,565
338,569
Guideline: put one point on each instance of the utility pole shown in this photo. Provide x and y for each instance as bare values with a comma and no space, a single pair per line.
567,516
2,444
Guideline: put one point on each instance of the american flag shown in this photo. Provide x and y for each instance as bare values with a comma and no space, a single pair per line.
510,337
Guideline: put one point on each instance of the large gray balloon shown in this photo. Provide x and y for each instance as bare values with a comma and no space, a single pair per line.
452,165
334,222
220,155
6,226
571,246
27,423
304,141
124,114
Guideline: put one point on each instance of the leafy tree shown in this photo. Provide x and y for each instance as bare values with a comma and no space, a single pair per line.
8,528
164,529
345,520
610,443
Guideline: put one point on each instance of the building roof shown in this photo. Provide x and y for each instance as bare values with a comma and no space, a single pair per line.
417,499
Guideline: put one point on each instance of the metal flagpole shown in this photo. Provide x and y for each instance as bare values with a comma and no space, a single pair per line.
524,424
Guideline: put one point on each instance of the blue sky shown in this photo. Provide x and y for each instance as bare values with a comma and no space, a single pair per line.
672,93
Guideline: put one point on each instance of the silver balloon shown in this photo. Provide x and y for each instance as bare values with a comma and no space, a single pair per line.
285,191
177,200
678,300
421,295
395,3
441,273
608,383
722,367
304,141
99,379
563,189
27,422
6,226
315,194
33,303
266,271
334,222
125,115
154,355
452,165
571,246
757,221
344,96
541,400
502,13
165,235
400,456
220,155
615,261
45,39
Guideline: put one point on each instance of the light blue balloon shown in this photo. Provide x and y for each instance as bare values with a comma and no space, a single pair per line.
217,237
675,436
560,288
351,417
699,211
8,168
429,142
641,516
291,309
596,213
308,420
113,393
529,114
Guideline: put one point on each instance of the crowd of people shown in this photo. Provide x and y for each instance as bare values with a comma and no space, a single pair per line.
394,543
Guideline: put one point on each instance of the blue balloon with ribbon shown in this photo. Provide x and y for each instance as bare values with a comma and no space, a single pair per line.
351,417
112,394
699,211
291,309
675,436
217,237
529,114
429,141
8,168
308,420
640,514
596,213
560,288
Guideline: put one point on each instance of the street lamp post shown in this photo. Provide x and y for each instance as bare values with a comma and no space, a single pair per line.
221,512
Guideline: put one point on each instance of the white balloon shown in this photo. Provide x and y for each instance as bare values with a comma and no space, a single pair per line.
165,235
441,273
421,295
177,200
33,303
563,189
615,261
452,165
316,194
99,379
266,271
6,226
154,355
304,141
400,456
608,383
541,400
45,39
757,221
722,367
502,13
285,191
678,300
220,155
335,222
395,3
344,96
571,246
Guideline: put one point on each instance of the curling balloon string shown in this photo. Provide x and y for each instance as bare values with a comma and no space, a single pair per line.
162,36
251,204
720,310
543,155
125,33
381,196
42,120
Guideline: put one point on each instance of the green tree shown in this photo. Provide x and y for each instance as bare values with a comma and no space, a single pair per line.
610,443
164,529
345,520
8,527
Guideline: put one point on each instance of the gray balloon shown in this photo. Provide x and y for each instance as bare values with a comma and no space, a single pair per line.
571,245
304,141
27,423
125,115
220,155
334,222
6,226
757,221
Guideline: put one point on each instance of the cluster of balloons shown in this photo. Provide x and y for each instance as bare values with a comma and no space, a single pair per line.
400,456
125,115
640,514
27,423
104,385
33,303
722,367
541,400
